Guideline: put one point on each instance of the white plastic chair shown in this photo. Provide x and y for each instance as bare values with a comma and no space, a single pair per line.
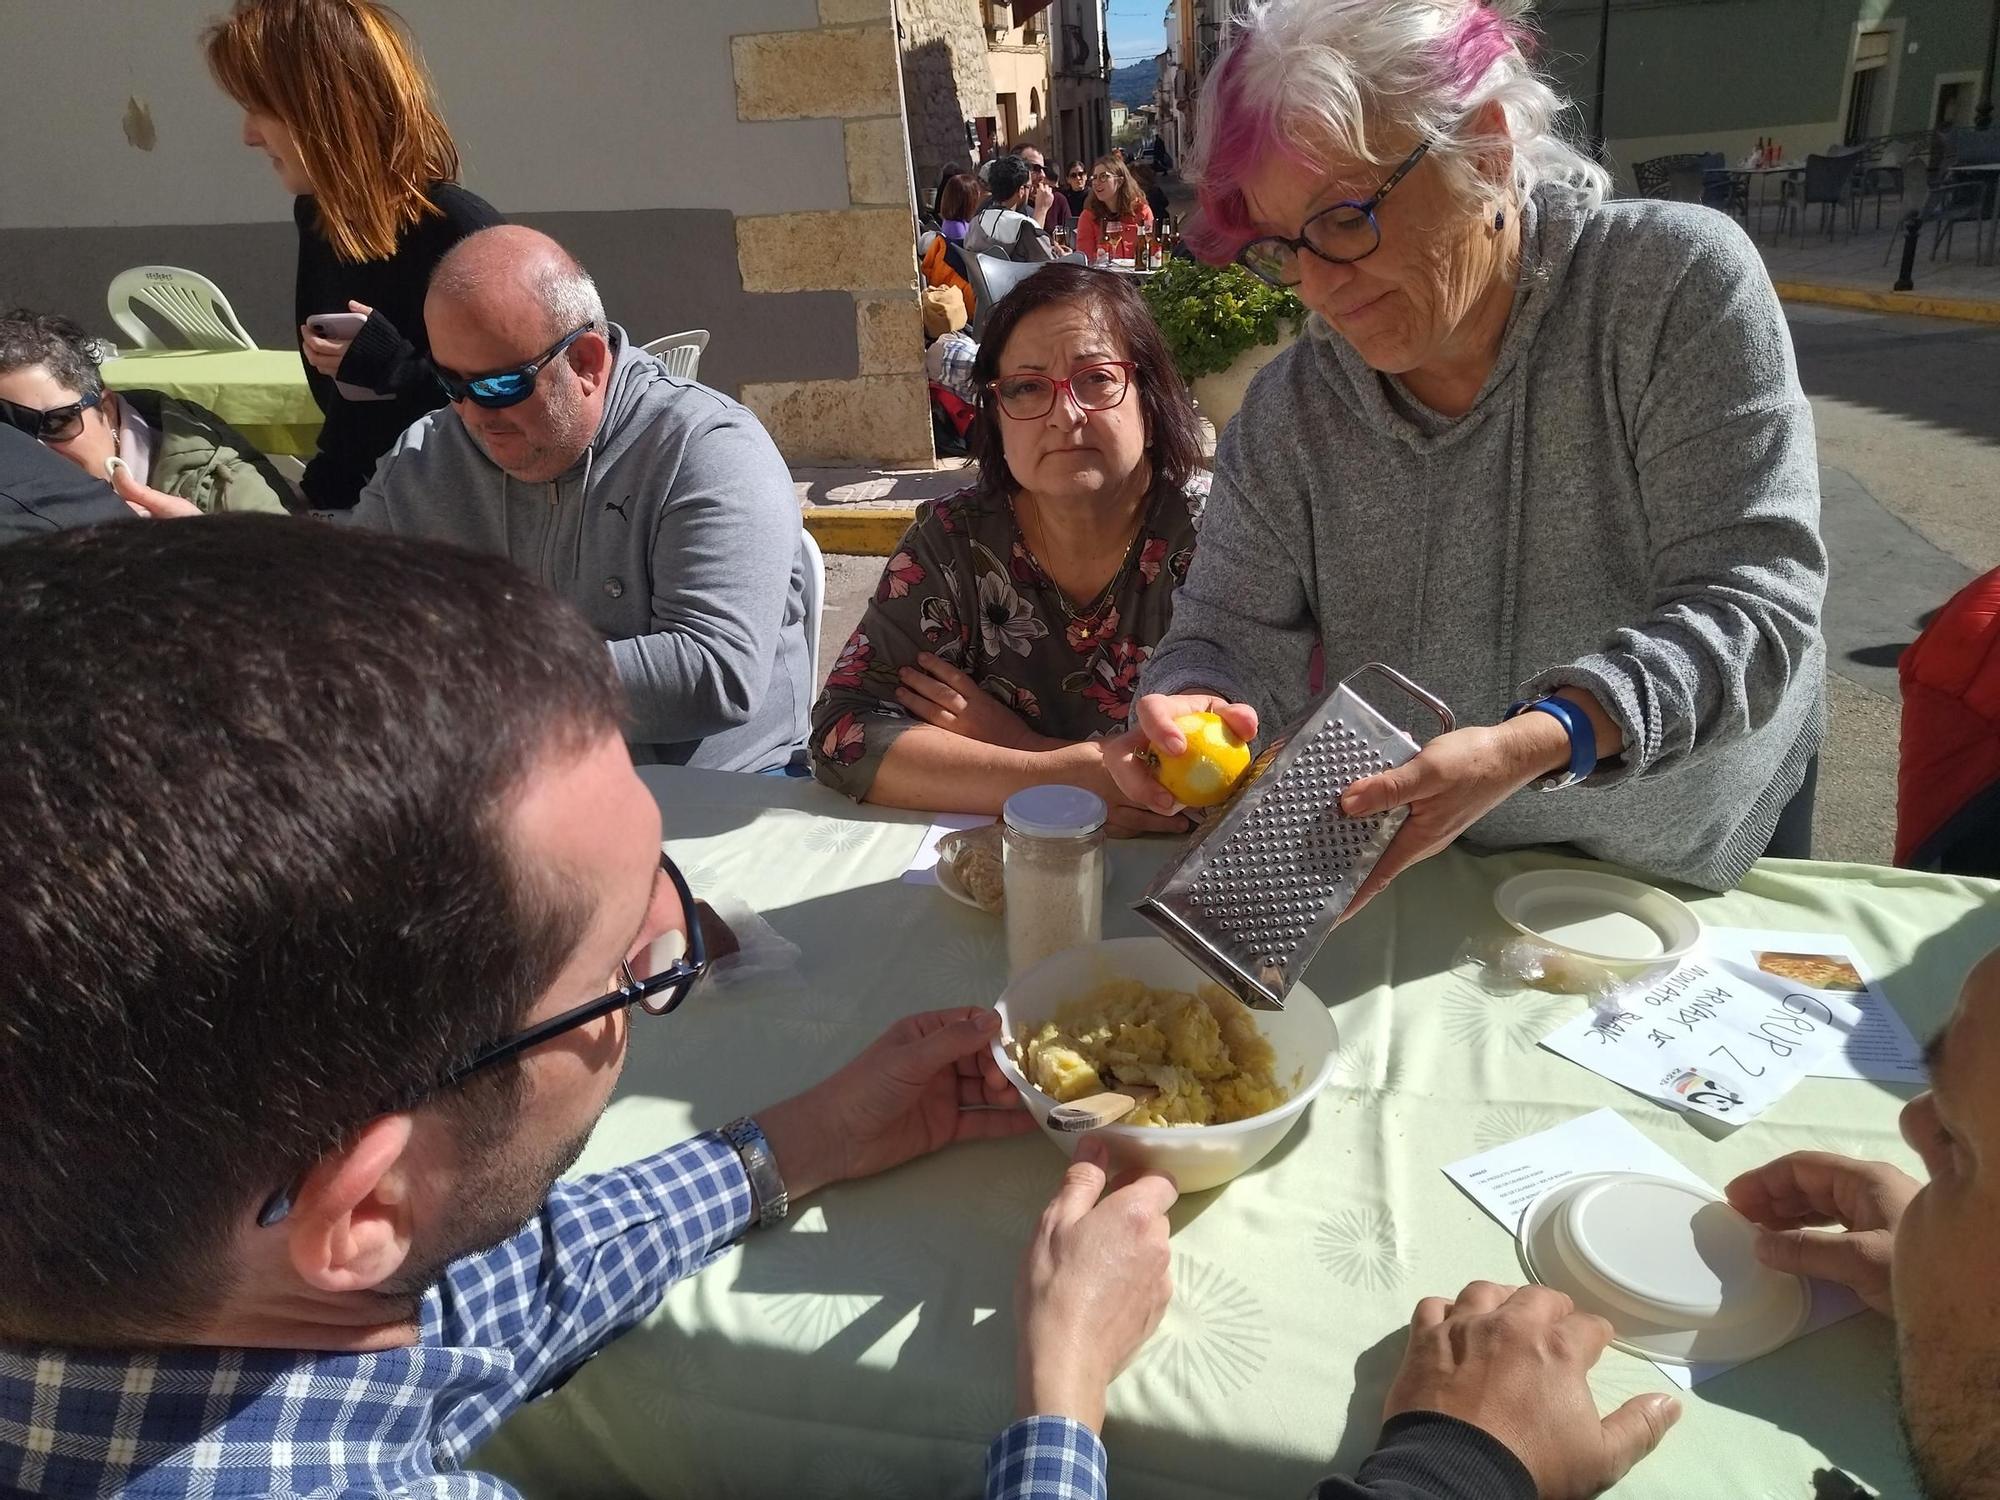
681,352
815,602
187,301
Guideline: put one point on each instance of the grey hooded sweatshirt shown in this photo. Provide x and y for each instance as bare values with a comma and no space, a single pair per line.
1630,507
676,534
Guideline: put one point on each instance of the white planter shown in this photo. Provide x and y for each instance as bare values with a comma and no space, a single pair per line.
1219,395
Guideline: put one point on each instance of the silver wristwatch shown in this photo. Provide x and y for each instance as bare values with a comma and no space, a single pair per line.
761,1167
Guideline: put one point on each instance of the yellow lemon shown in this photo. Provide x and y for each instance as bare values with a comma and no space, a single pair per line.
1207,771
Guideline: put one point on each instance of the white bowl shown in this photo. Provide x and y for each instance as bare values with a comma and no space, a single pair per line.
1197,1157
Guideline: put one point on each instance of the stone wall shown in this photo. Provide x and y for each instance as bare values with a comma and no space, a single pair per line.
945,82
844,69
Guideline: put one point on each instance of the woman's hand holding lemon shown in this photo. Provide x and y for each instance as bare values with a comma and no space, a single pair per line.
1216,754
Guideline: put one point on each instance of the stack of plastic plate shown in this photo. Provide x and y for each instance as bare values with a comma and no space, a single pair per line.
1670,1265
1602,919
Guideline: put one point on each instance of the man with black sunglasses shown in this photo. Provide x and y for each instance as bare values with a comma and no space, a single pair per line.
331,892
658,507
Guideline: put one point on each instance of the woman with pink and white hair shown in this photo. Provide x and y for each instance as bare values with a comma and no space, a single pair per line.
1545,453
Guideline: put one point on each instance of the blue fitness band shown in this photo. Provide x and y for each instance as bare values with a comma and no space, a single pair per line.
1582,738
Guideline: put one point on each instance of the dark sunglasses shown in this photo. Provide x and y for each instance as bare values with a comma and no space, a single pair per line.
504,388
659,986
56,425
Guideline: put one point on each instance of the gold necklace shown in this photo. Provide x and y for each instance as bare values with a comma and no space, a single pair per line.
1074,614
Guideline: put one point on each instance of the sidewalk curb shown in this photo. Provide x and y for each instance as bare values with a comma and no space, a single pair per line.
872,532
1913,304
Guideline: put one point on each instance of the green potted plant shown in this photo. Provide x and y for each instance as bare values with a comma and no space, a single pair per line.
1222,326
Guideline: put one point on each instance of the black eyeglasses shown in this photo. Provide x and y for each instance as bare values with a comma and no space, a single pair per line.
659,983
58,424
1340,235
504,388
1028,398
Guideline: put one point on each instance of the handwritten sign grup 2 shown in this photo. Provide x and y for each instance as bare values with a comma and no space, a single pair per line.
1712,1037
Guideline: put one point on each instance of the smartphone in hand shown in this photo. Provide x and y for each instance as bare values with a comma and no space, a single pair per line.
345,325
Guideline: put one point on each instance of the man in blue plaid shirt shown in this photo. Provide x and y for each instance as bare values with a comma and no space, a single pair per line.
332,888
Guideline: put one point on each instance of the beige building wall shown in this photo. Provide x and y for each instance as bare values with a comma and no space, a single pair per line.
846,69
946,83
1018,59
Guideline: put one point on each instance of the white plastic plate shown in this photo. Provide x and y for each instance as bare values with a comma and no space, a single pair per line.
1669,1265
1604,918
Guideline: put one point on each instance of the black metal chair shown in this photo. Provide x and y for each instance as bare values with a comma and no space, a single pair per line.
1723,189
1678,177
1826,182
1946,206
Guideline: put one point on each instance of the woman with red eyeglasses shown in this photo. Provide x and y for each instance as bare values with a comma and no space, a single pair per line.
1010,625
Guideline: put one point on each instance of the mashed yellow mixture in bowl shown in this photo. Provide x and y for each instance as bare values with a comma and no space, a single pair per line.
1201,1050
1233,1082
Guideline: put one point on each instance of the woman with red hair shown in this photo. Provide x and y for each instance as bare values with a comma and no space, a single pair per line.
335,94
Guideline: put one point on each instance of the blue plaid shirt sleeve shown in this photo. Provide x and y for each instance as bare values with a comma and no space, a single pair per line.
598,1258
1046,1458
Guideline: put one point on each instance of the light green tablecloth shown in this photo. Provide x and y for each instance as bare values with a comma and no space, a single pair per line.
866,1348
262,393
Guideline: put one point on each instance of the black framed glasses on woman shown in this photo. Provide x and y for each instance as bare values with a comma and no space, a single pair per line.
57,424
504,388
657,981
1340,235
1028,398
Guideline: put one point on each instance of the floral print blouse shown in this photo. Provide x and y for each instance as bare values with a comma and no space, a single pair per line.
964,587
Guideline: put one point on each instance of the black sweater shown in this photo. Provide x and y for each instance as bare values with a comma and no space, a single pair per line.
391,353
1425,1455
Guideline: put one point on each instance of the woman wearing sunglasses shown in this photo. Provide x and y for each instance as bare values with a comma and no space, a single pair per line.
50,389
1009,627
334,93
1546,454
1075,187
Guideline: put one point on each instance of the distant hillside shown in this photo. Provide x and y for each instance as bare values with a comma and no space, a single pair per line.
1134,83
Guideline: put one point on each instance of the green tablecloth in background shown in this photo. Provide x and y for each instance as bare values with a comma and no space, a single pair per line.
866,1347
262,393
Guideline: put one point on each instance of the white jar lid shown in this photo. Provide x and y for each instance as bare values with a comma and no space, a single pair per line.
1055,812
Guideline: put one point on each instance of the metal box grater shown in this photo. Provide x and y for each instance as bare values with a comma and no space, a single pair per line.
1258,887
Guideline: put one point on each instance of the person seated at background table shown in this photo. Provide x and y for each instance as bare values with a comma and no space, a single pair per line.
1011,624
51,388
1534,449
1114,215
1922,1255
945,174
335,94
658,507
958,201
1149,188
1948,761
313,996
1075,187
1047,207
1003,228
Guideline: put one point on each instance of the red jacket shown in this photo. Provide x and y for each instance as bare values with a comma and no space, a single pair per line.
1948,775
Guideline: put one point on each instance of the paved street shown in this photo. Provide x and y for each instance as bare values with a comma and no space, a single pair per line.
1908,417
